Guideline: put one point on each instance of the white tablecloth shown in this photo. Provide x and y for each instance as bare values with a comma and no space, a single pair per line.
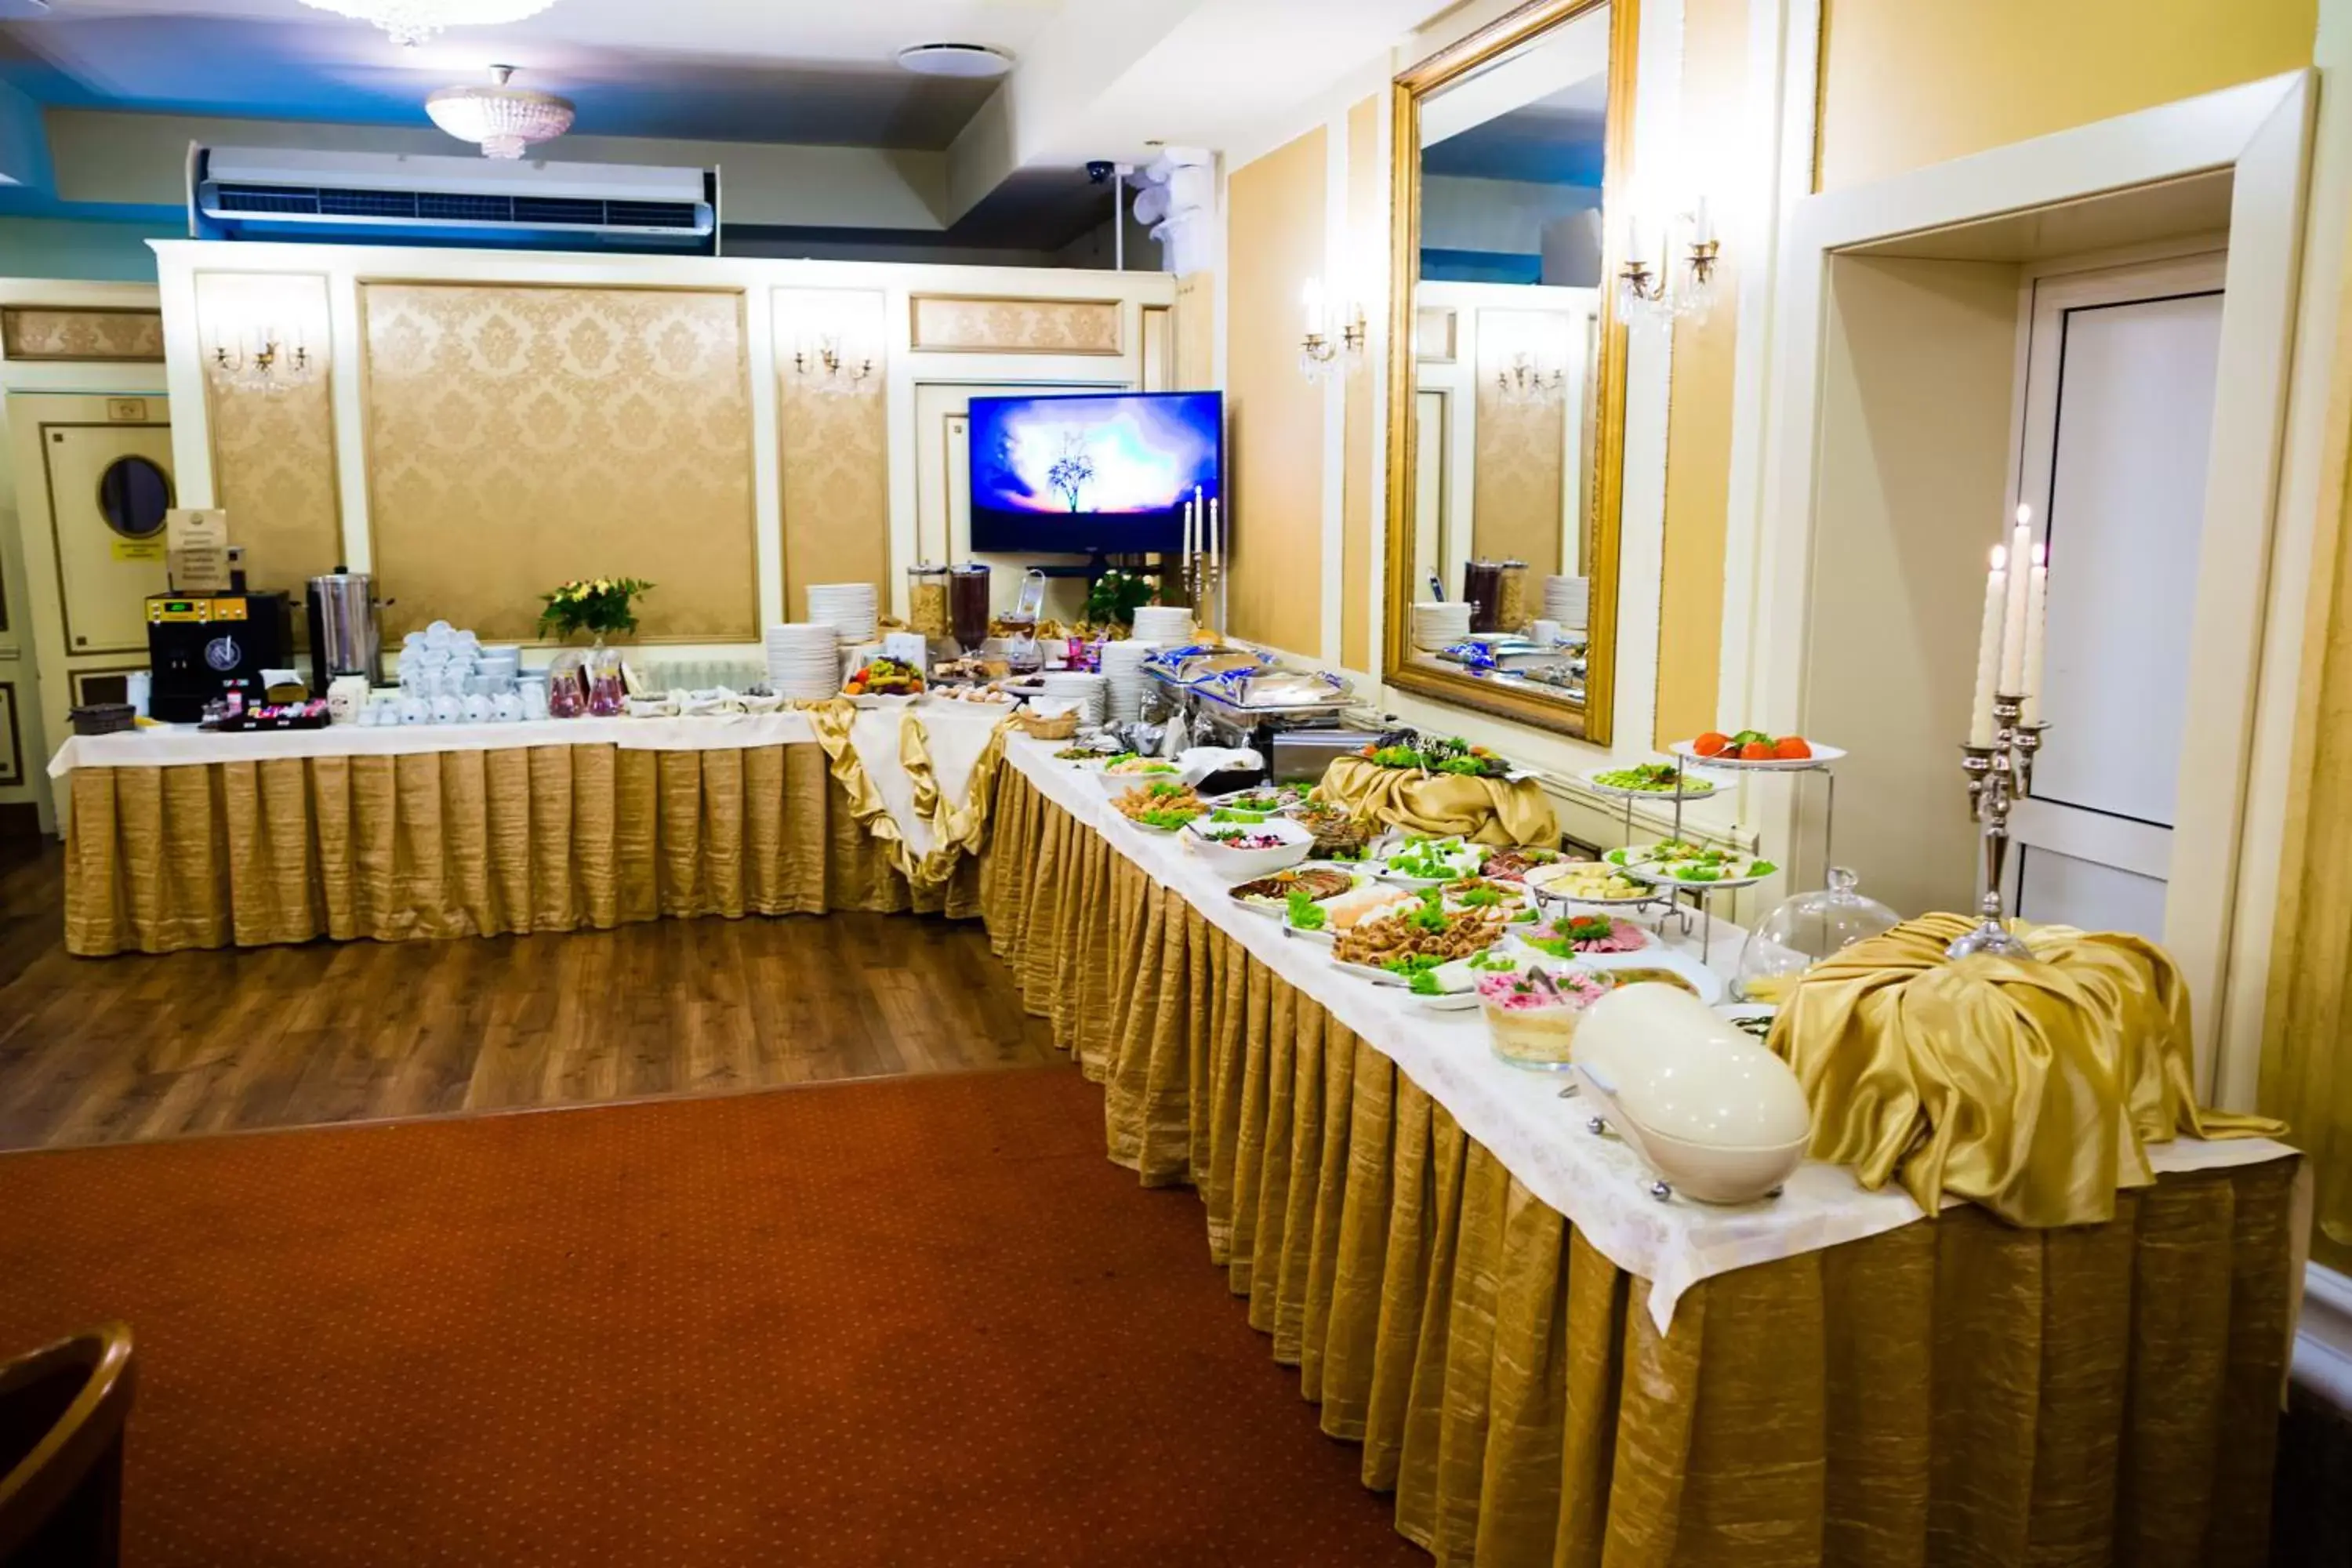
1519,1115
956,733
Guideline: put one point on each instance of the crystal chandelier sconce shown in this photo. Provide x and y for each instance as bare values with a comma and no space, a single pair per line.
830,368
1651,286
412,22
1319,347
264,360
1524,381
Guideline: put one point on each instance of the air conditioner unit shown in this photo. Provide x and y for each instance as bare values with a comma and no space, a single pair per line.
379,198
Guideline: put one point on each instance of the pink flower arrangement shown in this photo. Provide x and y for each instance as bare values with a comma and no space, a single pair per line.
1536,990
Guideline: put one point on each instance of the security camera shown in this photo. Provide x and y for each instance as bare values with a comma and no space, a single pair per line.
1100,170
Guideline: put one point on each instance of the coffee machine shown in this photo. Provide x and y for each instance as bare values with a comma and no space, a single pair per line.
201,647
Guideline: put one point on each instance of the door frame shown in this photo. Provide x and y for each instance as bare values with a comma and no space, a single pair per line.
2047,291
2246,625
30,415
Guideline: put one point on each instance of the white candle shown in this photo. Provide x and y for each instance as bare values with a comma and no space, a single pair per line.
1188,539
1996,604
2037,596
1216,538
2012,632
1313,299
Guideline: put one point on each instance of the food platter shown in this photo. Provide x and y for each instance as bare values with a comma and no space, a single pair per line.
1672,863
1823,756
1657,963
1542,885
1692,788
1402,865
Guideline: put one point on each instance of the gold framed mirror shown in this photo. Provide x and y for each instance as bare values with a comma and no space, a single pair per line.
1506,367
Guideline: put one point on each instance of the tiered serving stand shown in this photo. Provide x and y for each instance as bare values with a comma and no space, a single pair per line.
1702,893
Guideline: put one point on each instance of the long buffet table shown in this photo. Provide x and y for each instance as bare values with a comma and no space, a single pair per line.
1548,1366
178,837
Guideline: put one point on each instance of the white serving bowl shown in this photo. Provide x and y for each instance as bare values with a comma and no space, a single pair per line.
1241,865
1115,784
1717,1115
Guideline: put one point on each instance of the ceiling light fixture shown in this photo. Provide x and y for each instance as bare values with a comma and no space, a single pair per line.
411,22
502,120
976,61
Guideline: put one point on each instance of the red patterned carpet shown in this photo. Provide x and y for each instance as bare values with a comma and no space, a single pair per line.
912,1321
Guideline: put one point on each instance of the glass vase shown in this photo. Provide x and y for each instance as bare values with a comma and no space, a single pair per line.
607,690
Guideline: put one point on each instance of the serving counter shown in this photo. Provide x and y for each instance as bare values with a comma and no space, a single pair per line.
178,837
1548,1365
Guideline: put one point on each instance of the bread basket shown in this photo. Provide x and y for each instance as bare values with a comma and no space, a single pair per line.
1060,726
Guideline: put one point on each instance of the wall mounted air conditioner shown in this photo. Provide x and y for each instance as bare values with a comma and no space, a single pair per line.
381,199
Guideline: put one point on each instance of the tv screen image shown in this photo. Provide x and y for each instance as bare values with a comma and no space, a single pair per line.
1096,472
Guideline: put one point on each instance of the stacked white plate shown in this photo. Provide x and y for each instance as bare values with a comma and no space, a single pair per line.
804,660
1090,694
1169,626
1568,601
1440,623
851,609
1122,667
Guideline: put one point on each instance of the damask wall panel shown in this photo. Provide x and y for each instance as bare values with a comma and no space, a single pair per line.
958,323
273,451
88,335
517,437
835,447
1520,492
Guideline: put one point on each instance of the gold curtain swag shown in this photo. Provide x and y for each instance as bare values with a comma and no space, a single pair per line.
484,843
2032,1089
1963,1391
1488,811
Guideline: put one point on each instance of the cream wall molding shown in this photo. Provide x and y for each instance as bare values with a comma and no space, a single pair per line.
758,280
2224,879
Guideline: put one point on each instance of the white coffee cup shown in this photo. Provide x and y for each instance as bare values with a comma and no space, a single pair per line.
1546,633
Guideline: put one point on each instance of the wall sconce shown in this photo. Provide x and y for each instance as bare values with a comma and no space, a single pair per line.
1316,350
830,368
1662,292
1524,381
263,359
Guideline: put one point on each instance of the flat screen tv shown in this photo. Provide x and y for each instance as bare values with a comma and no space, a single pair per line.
1099,472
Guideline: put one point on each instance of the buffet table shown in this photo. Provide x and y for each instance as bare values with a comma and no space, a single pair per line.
1548,1365
178,837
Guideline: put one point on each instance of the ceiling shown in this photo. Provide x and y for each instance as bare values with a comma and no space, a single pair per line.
1558,139
808,71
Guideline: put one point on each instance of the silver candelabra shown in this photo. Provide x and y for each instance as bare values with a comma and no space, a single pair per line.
2000,775
1205,588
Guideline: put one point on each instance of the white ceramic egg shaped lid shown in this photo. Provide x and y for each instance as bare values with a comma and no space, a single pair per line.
1680,1069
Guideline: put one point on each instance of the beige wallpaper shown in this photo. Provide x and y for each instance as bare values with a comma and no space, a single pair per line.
1520,485
835,449
273,453
521,436
48,332
953,323
1275,242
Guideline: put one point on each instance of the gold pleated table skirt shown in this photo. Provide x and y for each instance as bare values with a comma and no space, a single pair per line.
468,843
1958,1391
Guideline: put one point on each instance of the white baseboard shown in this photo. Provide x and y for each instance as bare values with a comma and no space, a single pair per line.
2323,1342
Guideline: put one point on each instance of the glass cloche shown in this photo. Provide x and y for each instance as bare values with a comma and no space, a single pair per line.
1805,930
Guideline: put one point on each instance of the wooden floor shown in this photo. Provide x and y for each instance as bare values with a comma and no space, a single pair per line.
121,1049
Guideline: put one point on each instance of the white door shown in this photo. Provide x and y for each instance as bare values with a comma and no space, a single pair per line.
2119,384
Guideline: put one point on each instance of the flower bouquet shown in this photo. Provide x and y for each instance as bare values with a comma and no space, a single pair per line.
605,607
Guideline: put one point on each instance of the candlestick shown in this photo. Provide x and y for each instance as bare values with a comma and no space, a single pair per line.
1981,724
1217,561
2012,631
2037,600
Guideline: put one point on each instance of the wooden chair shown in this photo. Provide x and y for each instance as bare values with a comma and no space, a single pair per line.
62,1410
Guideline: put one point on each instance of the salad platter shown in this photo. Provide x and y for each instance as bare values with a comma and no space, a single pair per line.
1412,751
1422,862
1673,862
1645,781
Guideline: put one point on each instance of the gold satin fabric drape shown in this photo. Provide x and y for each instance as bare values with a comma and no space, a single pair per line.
1954,1392
2032,1088
448,844
1490,811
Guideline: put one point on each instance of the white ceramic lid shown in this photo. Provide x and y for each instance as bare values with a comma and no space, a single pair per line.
1679,1068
